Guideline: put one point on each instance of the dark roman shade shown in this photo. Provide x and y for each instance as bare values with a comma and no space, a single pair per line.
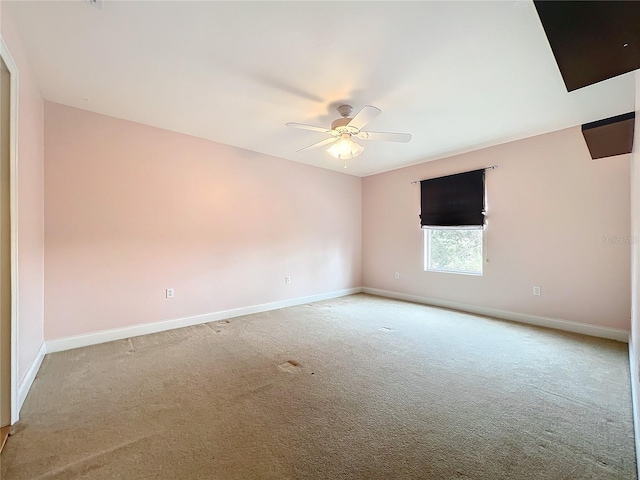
453,201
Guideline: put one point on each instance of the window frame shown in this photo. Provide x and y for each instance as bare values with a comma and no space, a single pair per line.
427,251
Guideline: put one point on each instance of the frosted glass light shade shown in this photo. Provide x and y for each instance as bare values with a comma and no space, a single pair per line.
345,148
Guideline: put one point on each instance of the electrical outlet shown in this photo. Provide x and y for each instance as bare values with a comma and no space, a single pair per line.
169,293
536,290
397,275
287,279
95,3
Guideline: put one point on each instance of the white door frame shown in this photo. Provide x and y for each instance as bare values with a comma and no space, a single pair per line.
13,192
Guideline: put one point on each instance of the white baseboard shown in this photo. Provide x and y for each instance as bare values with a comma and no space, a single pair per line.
68,343
27,381
635,399
586,329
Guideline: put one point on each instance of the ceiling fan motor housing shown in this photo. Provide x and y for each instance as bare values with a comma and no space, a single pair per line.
341,125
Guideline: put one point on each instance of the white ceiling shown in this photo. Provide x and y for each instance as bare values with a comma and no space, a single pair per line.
457,75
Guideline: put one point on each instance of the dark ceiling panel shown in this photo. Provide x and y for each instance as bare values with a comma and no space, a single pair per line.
611,136
588,38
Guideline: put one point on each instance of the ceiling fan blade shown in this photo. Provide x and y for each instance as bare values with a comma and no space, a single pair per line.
385,137
326,141
307,127
364,116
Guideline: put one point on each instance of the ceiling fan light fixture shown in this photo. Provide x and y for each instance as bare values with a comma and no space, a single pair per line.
345,130
345,148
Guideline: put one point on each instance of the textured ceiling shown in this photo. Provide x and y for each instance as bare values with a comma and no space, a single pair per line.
458,76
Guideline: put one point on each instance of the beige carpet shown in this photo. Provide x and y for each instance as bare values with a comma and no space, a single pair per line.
354,388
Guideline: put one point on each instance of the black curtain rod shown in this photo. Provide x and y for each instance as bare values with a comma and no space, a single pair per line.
485,168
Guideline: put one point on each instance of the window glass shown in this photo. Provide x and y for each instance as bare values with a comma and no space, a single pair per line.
453,250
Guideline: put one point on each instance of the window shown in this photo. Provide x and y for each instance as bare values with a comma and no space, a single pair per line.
453,250
452,216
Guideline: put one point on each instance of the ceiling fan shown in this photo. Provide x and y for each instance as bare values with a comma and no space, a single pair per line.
345,130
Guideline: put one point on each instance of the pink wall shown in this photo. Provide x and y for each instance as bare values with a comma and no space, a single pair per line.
635,269
549,207
132,210
30,150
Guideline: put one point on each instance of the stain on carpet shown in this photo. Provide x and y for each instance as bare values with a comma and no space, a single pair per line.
290,366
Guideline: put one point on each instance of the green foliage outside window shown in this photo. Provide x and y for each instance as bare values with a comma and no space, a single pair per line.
455,250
